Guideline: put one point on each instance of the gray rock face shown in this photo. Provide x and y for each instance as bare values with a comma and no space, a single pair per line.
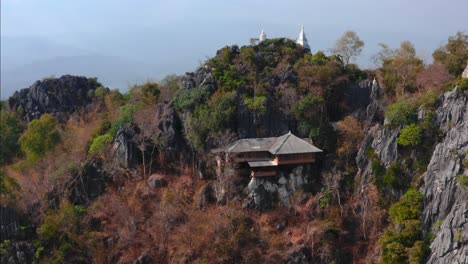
445,200
264,192
18,253
9,223
384,141
59,97
202,77
89,183
272,122
465,72
170,136
126,146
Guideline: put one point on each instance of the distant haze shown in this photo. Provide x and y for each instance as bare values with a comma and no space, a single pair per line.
123,42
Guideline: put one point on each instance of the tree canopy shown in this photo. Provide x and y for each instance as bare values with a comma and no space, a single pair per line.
40,137
454,54
348,46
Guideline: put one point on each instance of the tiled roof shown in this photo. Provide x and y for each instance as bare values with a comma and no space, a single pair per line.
286,144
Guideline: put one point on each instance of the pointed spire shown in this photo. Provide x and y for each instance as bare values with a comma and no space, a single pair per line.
262,37
302,40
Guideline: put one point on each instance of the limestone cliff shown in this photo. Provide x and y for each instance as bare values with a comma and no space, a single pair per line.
57,96
445,212
446,208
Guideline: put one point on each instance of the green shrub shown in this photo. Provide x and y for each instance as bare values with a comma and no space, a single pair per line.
409,207
188,99
463,85
256,104
319,58
61,235
11,128
8,186
212,120
98,146
309,113
325,199
417,254
463,181
392,176
100,92
127,113
403,239
410,136
394,253
40,137
401,113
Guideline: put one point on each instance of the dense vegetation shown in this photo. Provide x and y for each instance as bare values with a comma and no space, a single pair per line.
45,163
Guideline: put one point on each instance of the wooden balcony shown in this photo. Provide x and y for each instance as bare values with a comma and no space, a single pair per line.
262,173
295,161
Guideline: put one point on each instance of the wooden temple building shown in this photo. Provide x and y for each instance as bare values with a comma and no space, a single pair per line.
264,156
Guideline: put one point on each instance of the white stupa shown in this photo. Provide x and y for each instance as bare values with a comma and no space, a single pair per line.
262,37
302,40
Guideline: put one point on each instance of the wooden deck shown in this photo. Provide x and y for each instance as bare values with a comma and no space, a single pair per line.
298,161
263,173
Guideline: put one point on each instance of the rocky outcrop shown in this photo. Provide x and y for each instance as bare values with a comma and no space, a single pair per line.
9,224
18,253
272,122
445,200
57,96
263,193
383,140
88,184
126,146
202,77
378,137
170,136
465,72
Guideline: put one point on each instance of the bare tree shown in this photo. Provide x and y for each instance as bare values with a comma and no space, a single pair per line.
348,46
331,180
146,120
384,54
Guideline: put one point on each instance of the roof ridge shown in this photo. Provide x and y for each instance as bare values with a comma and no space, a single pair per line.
235,144
289,134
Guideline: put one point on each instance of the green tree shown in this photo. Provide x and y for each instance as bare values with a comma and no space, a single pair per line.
409,207
402,240
410,136
8,186
454,54
394,253
401,113
310,114
348,46
11,128
62,235
99,144
40,137
211,120
319,58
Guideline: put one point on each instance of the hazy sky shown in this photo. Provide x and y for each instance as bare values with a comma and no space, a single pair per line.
176,35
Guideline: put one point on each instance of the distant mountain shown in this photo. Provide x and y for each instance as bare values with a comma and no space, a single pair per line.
114,72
